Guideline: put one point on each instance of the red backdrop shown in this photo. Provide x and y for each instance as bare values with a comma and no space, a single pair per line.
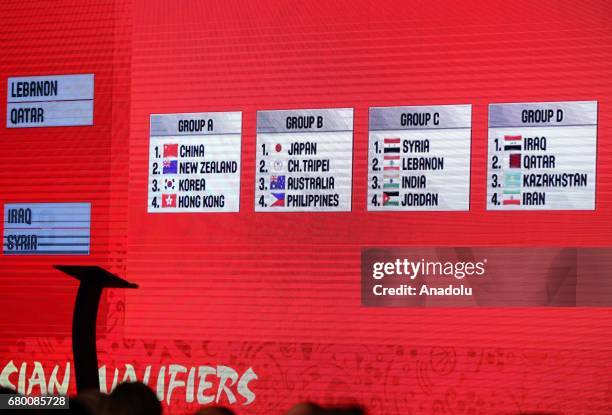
280,292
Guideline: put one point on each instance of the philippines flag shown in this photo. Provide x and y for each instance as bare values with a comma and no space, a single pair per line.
279,199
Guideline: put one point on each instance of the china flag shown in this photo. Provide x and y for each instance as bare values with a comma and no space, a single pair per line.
170,150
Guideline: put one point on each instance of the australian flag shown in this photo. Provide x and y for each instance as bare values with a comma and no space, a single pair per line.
277,183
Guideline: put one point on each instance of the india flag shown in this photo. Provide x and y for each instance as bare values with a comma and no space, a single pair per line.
391,182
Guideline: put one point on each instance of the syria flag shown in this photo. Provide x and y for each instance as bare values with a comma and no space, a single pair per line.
392,145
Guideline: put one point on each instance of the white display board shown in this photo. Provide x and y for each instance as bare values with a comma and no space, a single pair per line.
542,156
194,162
47,228
419,158
304,160
50,101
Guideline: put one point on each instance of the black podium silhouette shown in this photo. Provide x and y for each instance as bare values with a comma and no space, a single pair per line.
93,280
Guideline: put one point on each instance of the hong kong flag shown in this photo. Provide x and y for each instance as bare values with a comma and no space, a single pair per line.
170,150
168,200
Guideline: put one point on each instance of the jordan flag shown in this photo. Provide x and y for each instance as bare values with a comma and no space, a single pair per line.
390,198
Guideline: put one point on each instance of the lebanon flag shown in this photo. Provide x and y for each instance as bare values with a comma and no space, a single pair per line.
170,150
391,164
